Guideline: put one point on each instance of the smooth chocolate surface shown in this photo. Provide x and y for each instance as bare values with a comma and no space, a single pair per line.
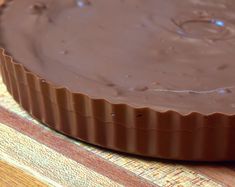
163,54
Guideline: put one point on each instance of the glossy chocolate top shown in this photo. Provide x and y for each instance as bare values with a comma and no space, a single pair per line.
163,54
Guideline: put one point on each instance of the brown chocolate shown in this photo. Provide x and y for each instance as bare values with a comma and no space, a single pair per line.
117,50
141,131
153,77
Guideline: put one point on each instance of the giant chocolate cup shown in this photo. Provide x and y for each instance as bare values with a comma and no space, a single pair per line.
121,127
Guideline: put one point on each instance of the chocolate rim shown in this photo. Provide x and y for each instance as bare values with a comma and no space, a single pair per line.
121,127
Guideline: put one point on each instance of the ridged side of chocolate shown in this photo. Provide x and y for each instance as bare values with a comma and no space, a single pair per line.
121,127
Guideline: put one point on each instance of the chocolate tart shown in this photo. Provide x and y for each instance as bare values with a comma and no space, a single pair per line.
153,78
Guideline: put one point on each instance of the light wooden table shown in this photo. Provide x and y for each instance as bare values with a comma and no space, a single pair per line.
12,176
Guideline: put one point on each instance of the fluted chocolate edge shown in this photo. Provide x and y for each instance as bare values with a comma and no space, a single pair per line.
122,127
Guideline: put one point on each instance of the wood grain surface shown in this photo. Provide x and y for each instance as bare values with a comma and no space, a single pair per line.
11,176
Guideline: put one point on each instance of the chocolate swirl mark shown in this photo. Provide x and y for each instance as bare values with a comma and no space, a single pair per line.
213,29
221,90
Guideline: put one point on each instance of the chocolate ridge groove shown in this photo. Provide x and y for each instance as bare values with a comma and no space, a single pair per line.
98,118
207,144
